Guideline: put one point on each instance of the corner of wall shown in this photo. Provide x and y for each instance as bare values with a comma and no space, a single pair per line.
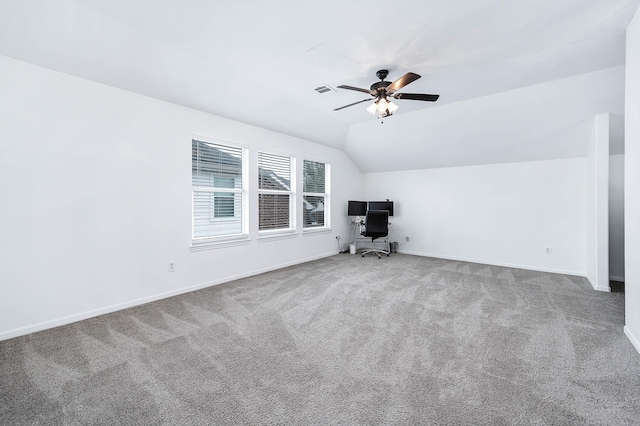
634,341
632,182
598,204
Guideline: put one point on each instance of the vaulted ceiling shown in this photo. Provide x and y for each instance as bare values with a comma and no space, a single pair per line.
258,62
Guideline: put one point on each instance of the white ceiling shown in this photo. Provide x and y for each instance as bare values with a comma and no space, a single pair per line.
259,61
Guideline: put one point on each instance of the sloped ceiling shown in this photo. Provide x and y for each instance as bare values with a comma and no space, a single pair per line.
258,61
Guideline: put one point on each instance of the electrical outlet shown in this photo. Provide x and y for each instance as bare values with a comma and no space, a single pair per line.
172,266
547,250
407,237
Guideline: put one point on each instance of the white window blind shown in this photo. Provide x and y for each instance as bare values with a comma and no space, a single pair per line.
315,188
218,191
275,192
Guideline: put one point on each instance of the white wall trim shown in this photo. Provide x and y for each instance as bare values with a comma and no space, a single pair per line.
277,236
315,231
618,279
220,244
635,342
120,306
598,288
491,263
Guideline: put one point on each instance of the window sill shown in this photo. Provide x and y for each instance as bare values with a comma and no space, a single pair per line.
312,231
283,235
211,245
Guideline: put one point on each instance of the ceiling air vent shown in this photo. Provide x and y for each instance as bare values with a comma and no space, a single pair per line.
324,89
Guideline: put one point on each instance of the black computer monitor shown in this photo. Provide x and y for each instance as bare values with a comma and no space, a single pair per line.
357,208
382,205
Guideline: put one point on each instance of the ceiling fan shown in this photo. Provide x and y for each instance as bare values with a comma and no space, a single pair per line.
382,90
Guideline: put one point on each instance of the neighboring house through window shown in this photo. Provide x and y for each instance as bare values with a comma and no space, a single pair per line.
276,204
218,192
315,183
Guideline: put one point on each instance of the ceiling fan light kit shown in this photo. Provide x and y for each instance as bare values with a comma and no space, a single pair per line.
382,108
373,109
380,90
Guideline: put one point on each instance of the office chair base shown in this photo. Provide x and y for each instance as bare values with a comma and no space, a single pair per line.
376,251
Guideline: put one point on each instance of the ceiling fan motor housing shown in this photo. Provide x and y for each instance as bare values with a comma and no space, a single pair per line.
380,86
382,74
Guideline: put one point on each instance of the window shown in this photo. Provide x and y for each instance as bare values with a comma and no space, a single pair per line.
315,183
275,192
218,192
223,202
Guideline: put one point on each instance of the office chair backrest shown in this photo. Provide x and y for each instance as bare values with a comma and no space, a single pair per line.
377,224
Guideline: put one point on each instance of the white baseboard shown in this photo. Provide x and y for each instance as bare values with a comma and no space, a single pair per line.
598,288
634,341
488,262
10,334
618,279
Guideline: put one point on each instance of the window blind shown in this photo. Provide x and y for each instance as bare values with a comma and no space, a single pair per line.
218,207
314,177
315,194
275,198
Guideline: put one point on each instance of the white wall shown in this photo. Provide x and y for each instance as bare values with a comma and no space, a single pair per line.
502,214
597,208
632,183
616,217
96,199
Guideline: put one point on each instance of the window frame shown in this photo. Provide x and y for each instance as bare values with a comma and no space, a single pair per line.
291,193
214,191
326,197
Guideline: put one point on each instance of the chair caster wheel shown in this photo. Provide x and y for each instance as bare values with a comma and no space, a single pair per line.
363,255
387,255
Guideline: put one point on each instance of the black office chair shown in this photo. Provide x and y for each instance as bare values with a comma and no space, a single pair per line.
376,226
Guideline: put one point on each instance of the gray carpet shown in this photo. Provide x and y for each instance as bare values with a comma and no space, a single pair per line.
343,340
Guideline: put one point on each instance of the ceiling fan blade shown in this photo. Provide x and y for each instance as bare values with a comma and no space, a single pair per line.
357,89
355,103
409,77
417,97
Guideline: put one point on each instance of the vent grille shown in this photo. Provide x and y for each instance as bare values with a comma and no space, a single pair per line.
323,89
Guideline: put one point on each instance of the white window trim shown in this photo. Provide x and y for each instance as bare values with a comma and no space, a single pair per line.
272,234
326,195
205,243
316,230
211,245
276,234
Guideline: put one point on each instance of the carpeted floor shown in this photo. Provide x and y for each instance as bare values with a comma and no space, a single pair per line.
343,340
